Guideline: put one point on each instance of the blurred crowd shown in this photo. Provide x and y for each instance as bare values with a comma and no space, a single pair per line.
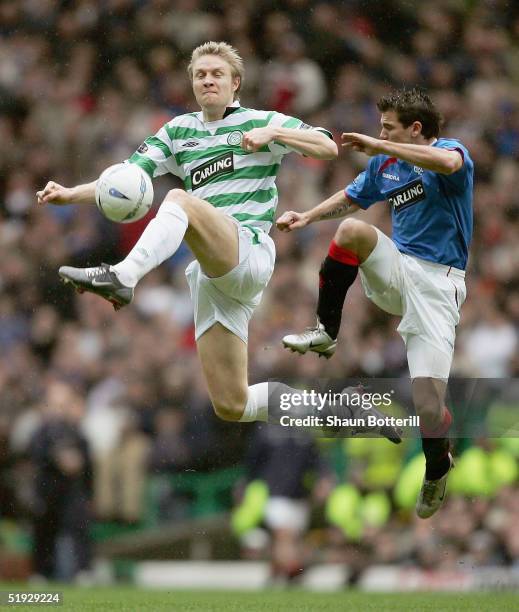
105,399
299,511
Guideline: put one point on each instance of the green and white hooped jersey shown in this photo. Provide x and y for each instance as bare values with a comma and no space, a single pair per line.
209,159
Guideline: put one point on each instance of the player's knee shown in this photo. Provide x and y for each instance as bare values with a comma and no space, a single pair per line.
230,408
227,412
180,197
185,201
350,233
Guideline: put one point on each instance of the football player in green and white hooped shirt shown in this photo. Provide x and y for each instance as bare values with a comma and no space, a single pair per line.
228,158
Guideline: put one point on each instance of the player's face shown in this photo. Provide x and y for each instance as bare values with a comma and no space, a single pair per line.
394,131
213,83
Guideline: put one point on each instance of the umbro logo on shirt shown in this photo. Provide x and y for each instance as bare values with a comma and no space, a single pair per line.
190,144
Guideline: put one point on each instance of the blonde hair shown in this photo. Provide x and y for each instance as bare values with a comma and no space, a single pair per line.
226,52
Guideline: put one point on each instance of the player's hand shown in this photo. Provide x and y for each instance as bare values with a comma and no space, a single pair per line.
257,138
53,193
361,142
291,220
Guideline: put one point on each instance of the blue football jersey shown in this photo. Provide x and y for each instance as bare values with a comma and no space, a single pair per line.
431,212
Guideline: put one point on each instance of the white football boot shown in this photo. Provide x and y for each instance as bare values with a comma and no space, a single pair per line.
313,339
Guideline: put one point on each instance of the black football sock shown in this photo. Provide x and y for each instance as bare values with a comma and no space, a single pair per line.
437,462
338,272
436,447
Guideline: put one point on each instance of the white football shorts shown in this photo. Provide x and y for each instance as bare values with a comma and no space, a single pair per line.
287,513
231,299
428,297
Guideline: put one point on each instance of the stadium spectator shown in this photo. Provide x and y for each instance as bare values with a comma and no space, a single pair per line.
291,468
122,463
62,548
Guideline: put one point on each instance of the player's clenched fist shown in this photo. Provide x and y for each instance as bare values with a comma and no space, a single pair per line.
291,220
257,138
53,193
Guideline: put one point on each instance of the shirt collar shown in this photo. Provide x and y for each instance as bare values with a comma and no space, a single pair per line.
230,109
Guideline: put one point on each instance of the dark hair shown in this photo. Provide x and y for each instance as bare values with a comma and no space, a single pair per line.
413,105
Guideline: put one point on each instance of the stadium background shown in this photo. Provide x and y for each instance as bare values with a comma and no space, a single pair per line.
105,416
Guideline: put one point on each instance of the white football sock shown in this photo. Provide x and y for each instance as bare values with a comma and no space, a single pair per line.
257,406
284,400
158,241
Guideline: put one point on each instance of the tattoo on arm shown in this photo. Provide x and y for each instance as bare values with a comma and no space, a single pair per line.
337,212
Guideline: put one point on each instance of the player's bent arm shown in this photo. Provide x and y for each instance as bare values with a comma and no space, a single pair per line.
308,142
336,206
439,160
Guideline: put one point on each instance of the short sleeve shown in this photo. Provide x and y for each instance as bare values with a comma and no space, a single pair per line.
363,190
280,120
460,178
155,155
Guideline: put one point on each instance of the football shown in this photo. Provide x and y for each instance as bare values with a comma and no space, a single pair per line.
124,193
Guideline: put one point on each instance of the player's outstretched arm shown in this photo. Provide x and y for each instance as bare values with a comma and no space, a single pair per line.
439,160
311,143
54,193
335,207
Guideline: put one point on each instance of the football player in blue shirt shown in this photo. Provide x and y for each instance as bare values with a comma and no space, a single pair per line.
418,274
